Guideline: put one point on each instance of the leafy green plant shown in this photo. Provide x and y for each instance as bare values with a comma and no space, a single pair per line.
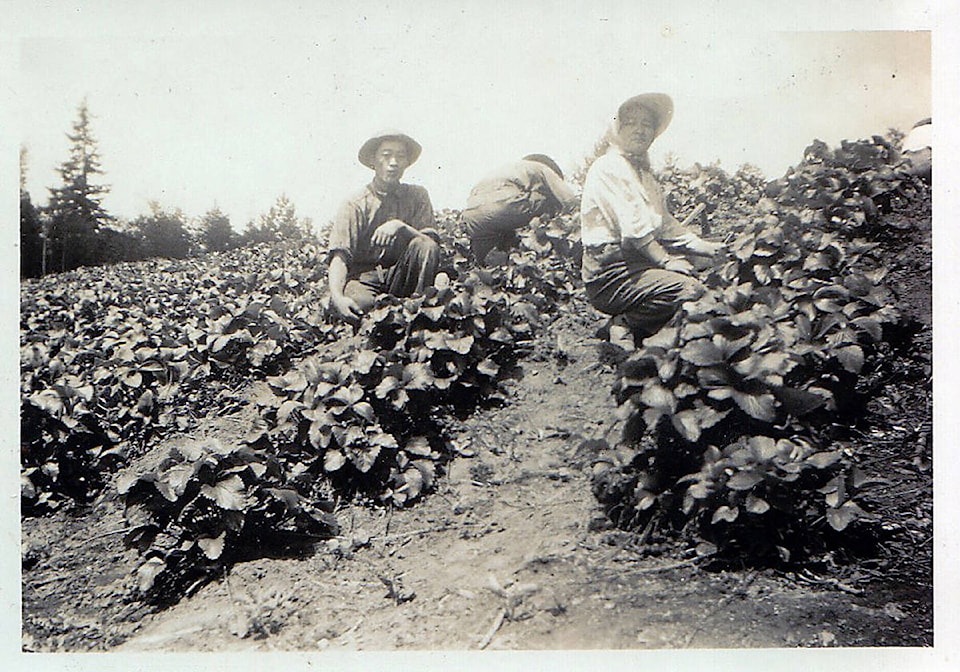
108,353
207,505
740,397
368,412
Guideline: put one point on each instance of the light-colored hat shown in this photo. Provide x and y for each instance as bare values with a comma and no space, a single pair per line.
369,148
659,104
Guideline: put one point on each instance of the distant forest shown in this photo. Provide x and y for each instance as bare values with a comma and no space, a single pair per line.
73,229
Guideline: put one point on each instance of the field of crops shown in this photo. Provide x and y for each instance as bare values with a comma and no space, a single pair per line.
781,422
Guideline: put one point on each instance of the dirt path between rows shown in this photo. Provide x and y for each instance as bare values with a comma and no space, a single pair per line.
511,552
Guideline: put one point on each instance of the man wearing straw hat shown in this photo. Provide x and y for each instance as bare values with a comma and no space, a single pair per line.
382,239
634,251
509,198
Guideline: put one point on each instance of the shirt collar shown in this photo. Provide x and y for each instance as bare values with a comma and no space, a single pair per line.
379,193
640,162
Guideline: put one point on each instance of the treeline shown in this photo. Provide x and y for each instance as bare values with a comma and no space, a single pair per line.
73,229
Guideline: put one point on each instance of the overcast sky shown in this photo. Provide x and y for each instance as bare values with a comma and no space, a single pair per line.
232,104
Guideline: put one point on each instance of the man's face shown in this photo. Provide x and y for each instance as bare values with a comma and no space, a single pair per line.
638,128
390,161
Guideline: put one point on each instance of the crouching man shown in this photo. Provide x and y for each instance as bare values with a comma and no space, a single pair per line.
635,265
510,197
382,240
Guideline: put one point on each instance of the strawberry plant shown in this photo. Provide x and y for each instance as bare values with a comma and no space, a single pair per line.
108,353
735,408
368,413
206,506
846,188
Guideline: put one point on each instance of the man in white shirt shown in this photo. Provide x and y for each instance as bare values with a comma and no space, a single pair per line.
918,149
634,250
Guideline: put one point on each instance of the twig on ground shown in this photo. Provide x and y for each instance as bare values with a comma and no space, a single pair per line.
667,568
497,622
43,582
107,534
425,530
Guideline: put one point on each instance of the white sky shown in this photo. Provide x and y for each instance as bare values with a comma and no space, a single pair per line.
234,103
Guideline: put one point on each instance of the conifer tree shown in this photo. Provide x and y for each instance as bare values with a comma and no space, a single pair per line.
31,233
280,223
75,207
216,234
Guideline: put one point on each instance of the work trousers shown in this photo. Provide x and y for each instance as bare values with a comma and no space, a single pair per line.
495,224
646,295
414,271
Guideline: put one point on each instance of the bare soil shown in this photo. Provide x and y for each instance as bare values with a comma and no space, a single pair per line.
512,551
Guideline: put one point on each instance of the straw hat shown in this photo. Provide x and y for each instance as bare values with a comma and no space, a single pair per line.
659,104
369,148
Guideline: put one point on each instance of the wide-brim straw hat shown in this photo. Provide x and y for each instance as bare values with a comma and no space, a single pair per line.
545,160
659,104
369,148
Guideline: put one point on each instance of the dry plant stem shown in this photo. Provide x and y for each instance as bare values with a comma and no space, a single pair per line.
425,530
497,622
108,533
667,568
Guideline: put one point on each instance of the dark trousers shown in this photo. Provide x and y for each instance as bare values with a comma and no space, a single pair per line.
495,224
646,296
415,270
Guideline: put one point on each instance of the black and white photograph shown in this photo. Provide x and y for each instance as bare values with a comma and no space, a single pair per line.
522,335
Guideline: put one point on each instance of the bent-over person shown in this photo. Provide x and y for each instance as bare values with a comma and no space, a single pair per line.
509,198
634,251
383,240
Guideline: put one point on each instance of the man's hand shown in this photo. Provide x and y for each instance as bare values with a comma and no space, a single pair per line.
387,232
679,265
346,307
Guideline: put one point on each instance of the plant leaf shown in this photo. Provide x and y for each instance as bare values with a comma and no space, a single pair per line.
212,547
756,505
418,445
147,573
726,514
227,493
851,357
173,482
488,367
759,406
744,480
687,423
658,396
333,460
824,459
839,518
701,352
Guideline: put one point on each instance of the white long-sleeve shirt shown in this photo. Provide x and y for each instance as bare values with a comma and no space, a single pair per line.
619,203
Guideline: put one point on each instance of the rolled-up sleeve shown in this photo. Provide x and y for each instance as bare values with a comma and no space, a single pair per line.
345,232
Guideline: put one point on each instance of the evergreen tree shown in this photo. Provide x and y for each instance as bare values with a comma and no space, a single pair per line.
31,229
279,223
216,234
75,208
163,234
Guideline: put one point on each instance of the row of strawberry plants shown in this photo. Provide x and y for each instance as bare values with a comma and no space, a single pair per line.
366,416
108,354
735,412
